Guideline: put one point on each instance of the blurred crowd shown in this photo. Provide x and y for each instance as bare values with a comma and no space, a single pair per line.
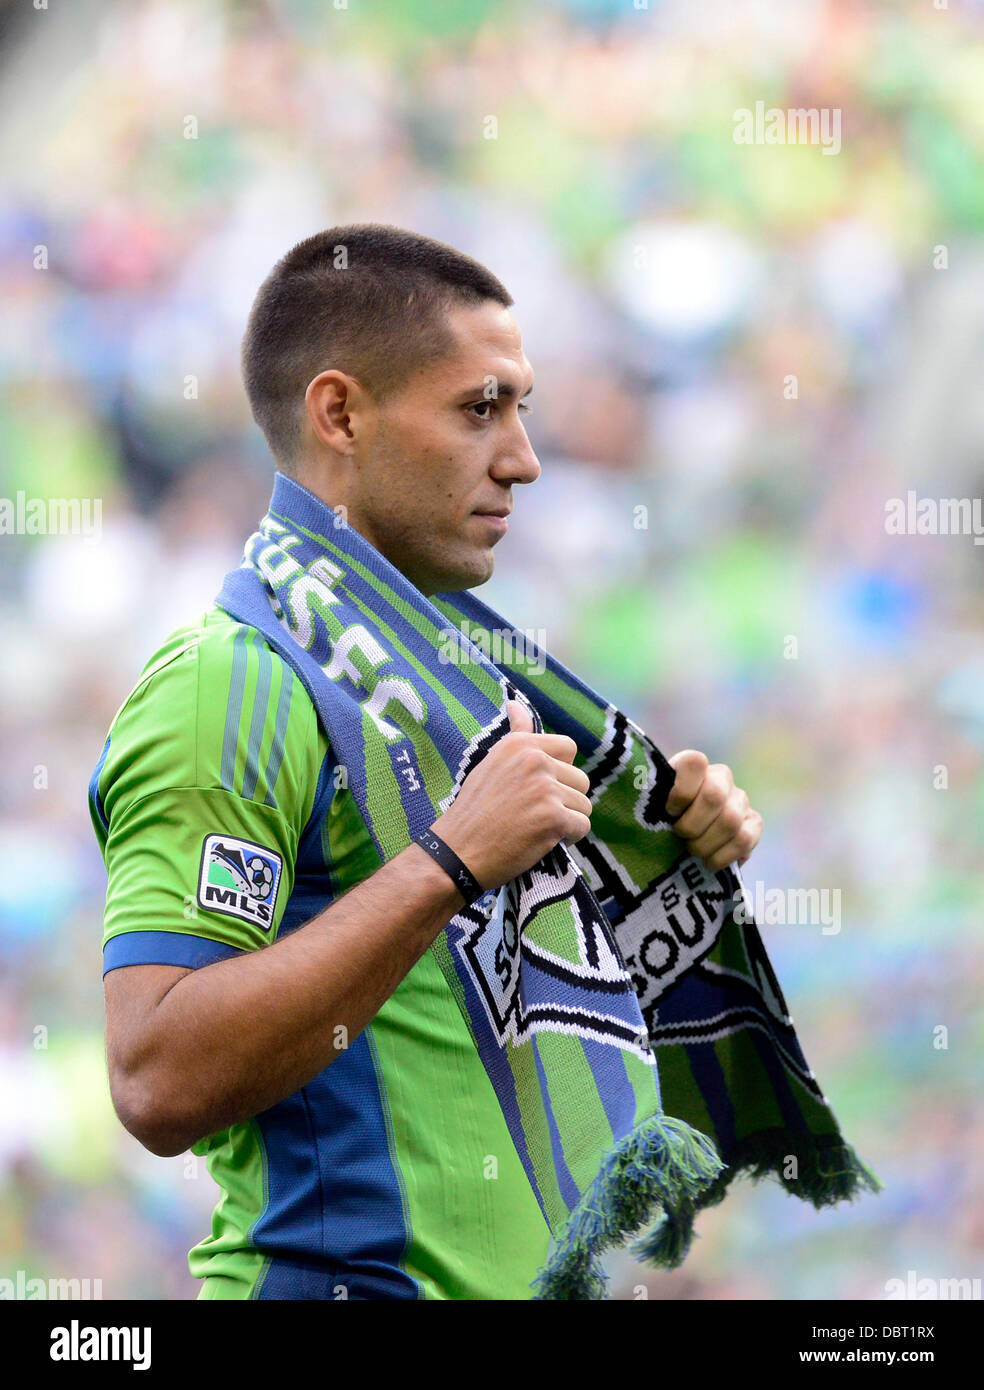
742,354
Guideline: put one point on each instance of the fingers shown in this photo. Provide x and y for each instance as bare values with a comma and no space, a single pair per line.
583,825
557,745
722,825
579,826
575,801
520,720
567,786
690,767
707,801
571,787
572,776
740,846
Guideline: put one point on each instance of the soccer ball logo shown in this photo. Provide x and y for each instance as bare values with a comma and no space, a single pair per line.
260,877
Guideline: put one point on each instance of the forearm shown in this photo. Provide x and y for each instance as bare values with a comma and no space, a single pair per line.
233,1038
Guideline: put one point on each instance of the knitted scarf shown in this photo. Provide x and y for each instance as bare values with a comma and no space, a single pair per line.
580,975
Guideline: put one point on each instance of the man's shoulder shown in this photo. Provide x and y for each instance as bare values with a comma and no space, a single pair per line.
205,645
208,649
216,707
216,660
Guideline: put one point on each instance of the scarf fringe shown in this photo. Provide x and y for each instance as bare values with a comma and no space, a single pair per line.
827,1174
664,1162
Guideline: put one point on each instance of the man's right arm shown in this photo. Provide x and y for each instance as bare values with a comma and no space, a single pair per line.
193,1051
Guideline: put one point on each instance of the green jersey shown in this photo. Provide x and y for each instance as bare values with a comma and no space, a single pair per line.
224,824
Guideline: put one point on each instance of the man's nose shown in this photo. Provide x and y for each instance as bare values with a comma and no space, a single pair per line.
518,462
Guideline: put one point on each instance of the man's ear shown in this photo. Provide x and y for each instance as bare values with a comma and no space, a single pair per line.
337,408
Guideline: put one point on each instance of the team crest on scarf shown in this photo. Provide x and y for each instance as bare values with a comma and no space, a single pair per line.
594,997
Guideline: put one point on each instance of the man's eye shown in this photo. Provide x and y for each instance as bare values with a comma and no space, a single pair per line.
480,405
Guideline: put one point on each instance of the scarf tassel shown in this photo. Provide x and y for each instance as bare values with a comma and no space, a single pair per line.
663,1163
669,1164
826,1174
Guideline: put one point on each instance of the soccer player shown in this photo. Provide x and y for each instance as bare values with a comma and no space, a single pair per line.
272,999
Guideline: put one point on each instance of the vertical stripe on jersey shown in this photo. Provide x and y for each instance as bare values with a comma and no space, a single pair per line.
351,1216
234,709
94,795
279,733
258,710
261,699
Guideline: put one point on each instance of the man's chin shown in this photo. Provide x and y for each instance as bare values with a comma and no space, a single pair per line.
468,577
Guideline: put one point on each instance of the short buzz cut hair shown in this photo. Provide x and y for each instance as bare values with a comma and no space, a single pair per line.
368,299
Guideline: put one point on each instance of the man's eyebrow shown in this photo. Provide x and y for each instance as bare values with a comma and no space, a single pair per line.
504,389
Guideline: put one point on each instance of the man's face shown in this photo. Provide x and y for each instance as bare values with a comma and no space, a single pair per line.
445,449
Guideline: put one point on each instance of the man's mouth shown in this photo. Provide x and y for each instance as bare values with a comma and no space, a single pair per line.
495,520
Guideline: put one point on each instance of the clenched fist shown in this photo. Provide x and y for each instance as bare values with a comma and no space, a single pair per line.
711,814
521,800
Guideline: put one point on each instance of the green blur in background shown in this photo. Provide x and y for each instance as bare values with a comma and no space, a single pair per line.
742,352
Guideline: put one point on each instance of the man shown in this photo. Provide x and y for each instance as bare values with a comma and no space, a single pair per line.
273,1000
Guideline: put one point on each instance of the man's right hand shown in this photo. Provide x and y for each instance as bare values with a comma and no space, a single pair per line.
522,799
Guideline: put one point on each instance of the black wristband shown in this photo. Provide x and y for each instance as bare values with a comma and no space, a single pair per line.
464,880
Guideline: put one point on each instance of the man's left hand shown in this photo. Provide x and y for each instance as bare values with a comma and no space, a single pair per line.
710,813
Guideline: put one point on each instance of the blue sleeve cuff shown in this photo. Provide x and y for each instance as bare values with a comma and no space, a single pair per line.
164,948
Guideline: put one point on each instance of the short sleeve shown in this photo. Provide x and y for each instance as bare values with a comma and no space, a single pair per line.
207,781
